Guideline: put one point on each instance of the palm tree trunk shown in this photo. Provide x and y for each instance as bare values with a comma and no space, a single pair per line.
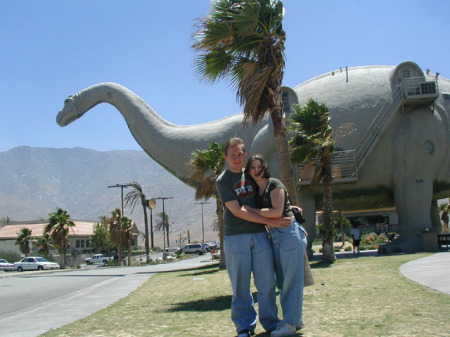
328,237
219,212
63,252
147,248
120,252
167,234
285,166
129,251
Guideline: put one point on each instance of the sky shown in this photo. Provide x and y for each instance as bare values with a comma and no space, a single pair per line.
51,49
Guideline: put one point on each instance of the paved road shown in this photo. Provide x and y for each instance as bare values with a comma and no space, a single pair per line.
69,295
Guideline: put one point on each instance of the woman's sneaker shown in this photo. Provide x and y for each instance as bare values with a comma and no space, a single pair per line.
284,330
301,326
245,333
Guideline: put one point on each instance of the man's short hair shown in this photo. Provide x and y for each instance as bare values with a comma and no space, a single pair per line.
232,142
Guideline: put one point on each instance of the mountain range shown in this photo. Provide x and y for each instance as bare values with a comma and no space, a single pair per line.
35,181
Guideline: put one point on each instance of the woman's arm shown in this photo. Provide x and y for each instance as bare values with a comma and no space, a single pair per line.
277,198
244,213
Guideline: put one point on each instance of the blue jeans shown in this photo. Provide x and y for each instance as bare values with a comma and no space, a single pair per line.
244,254
289,245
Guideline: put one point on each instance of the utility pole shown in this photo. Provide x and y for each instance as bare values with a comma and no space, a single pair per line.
122,186
203,225
164,221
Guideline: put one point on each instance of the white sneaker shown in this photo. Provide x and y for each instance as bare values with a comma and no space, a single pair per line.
283,330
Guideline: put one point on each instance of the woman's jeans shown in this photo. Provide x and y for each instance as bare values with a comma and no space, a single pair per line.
289,245
244,254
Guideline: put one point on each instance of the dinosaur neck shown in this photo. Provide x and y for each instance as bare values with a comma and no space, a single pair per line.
168,144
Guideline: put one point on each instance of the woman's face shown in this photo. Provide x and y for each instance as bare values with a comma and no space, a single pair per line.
256,169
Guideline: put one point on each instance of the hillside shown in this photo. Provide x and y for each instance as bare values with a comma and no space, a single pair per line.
35,181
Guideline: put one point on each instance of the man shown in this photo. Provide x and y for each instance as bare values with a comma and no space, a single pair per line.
247,246
356,236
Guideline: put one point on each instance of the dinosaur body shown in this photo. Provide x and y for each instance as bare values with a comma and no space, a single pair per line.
396,168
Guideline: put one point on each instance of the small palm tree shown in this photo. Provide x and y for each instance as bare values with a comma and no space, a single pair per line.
128,229
444,209
23,240
117,235
163,226
312,142
131,199
43,243
206,167
243,41
58,229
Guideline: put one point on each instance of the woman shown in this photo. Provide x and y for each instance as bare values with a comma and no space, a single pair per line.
289,244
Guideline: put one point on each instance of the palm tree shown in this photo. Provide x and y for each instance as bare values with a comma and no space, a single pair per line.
312,142
128,229
23,240
58,229
163,226
117,235
243,42
131,199
206,167
44,244
444,209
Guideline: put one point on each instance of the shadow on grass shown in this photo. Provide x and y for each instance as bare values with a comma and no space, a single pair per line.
218,303
320,264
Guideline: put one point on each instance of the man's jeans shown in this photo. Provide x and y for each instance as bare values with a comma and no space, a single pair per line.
289,245
246,253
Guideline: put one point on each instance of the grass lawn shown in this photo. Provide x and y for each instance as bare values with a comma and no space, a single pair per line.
364,296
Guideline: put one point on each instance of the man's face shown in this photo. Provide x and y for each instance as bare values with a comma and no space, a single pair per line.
235,158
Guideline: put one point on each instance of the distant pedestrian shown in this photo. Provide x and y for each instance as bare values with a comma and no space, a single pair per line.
356,236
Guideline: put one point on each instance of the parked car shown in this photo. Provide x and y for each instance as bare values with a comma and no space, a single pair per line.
194,248
213,245
5,265
98,258
35,263
171,251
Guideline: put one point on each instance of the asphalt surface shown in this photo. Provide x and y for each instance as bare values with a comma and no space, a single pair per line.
61,310
431,271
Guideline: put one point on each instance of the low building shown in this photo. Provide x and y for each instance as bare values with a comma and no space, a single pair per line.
78,235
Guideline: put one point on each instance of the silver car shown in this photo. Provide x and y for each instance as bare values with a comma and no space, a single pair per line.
5,265
34,263
194,248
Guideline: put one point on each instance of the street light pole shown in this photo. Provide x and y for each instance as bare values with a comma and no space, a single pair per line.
203,225
164,221
122,186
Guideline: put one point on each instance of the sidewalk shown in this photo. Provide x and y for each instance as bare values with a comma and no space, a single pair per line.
432,271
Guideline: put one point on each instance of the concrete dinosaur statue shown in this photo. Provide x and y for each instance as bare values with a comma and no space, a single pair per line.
394,122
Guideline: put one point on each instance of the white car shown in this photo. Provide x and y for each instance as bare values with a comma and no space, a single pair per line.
171,251
34,263
5,265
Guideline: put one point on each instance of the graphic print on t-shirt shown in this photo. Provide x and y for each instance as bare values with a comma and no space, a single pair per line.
244,189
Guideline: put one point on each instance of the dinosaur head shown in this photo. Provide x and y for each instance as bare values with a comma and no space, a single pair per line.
69,112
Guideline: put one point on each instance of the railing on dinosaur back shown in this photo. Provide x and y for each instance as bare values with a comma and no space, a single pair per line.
347,163
343,168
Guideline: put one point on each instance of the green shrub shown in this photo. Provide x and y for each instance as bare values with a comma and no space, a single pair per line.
10,256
